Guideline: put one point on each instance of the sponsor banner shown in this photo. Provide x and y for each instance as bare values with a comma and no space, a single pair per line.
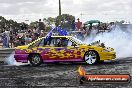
106,78
102,78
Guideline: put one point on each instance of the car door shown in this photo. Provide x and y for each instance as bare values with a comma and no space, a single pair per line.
66,50
59,49
49,54
74,50
52,50
44,48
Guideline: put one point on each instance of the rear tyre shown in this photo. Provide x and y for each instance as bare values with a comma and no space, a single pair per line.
91,57
35,60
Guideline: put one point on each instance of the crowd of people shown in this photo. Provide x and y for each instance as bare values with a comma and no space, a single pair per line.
85,30
10,38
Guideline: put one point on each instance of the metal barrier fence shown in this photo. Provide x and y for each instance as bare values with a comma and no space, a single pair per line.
4,53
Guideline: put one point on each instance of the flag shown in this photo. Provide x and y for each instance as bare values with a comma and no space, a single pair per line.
62,32
49,34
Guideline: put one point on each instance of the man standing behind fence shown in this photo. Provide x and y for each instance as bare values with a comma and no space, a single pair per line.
7,33
41,26
78,24
4,40
73,25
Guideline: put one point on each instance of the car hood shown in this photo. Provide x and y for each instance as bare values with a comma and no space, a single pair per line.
22,47
102,45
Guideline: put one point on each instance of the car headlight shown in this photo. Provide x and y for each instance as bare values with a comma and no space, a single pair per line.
105,50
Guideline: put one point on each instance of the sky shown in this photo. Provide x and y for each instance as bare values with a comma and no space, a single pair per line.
32,10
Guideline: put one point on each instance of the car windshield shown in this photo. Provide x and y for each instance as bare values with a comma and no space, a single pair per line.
77,40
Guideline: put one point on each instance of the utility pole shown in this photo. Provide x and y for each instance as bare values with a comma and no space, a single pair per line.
59,12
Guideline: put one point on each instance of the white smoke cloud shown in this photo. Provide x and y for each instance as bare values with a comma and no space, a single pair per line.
10,60
118,39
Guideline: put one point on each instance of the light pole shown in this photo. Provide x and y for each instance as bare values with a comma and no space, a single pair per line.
59,7
59,12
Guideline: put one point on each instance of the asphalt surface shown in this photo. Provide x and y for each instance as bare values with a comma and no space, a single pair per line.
61,75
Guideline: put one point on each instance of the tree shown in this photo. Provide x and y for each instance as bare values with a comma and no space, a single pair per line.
6,24
50,21
66,20
33,24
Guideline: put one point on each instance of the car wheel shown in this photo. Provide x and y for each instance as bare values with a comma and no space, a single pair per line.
35,60
91,57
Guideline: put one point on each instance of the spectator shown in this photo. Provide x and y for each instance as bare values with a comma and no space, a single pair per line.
41,26
17,41
28,39
7,33
73,25
11,36
5,40
33,38
111,26
22,40
78,24
36,33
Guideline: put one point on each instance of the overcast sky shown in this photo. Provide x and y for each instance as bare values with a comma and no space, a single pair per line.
104,10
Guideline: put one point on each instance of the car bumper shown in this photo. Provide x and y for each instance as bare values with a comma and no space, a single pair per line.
108,56
21,58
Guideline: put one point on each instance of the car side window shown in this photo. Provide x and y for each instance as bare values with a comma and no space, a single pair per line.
64,42
70,43
52,43
36,44
49,42
58,42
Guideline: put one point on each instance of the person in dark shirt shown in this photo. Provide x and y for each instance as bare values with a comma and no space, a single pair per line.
41,26
4,40
23,40
73,25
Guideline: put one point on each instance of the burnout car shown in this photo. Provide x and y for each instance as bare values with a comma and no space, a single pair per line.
62,49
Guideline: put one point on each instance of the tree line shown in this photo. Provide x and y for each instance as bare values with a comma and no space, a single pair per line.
66,21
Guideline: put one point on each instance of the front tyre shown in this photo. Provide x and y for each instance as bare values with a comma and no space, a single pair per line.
35,60
91,57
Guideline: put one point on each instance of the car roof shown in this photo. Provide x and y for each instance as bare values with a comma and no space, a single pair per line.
51,36
60,36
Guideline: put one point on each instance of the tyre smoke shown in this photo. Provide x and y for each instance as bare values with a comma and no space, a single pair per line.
119,39
10,60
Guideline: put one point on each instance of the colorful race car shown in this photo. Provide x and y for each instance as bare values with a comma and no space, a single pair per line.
62,49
